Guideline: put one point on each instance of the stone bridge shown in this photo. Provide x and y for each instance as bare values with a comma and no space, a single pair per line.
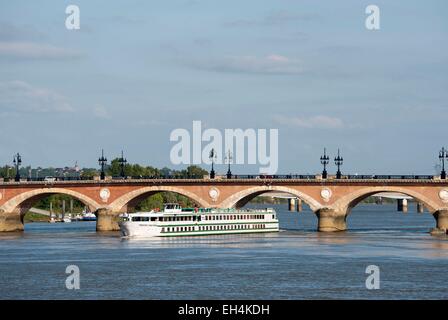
330,199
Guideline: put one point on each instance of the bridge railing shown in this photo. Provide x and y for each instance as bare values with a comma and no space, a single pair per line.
50,179
234,177
274,176
391,177
161,177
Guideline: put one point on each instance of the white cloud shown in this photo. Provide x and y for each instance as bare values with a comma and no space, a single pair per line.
21,97
31,50
320,122
99,111
270,64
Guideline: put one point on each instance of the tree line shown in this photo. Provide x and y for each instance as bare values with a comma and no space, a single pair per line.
112,169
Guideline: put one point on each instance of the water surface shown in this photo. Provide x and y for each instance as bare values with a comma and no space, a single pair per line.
296,263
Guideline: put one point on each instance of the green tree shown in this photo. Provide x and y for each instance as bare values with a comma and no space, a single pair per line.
89,173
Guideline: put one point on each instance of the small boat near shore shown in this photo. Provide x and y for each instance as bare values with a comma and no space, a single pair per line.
88,216
175,221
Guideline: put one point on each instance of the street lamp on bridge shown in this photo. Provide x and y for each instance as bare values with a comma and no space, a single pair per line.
122,161
102,161
212,156
442,156
17,162
229,160
324,160
338,162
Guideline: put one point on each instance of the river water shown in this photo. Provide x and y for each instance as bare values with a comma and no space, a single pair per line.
296,263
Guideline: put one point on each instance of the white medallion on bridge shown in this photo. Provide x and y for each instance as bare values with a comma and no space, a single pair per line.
104,194
443,194
213,193
326,194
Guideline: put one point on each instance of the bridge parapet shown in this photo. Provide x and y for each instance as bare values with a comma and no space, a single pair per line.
223,181
337,196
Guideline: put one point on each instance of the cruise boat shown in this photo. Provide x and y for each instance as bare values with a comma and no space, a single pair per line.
88,216
175,221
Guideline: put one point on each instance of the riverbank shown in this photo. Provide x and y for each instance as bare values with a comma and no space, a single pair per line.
35,217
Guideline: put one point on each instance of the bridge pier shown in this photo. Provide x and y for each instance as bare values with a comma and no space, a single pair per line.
402,205
299,205
106,220
420,207
441,217
330,220
11,221
291,204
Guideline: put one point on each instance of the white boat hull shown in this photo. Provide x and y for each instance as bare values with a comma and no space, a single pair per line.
184,224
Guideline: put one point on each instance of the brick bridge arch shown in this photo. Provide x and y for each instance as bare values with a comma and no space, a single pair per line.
13,210
119,204
26,198
348,202
334,216
242,197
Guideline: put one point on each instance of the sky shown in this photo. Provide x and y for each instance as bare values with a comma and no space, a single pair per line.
137,70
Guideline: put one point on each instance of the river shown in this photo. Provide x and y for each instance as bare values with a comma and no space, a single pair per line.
296,263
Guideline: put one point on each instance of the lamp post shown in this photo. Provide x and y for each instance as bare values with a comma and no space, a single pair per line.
324,160
102,162
338,161
229,159
122,162
212,156
17,162
442,156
